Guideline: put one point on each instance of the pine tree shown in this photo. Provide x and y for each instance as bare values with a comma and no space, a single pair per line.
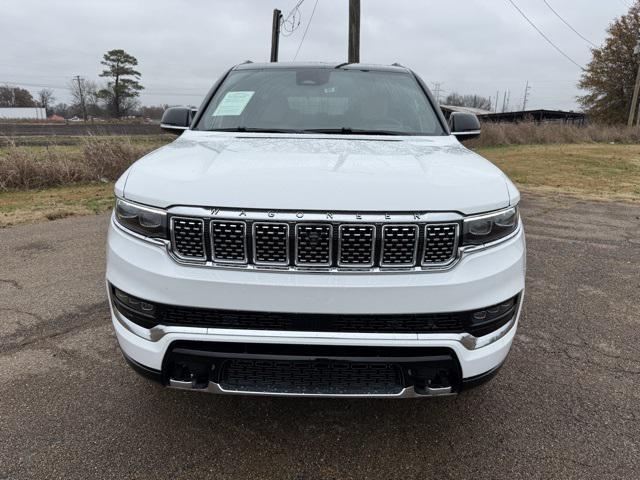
123,86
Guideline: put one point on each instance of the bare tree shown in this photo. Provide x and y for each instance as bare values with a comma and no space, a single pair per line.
46,98
473,101
84,96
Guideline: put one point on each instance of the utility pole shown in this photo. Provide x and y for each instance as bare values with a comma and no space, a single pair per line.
81,93
436,86
275,34
495,109
354,31
504,101
526,96
636,89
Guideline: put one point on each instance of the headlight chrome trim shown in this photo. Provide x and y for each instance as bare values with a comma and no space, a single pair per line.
140,229
488,216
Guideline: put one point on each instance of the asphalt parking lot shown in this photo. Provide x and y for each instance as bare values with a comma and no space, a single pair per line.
565,405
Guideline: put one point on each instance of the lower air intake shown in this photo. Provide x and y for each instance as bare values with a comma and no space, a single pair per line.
311,377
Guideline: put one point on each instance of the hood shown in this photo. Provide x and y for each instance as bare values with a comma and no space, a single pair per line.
321,172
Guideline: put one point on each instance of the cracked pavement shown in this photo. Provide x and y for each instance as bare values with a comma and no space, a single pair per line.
565,405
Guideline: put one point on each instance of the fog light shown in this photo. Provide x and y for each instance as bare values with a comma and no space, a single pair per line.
492,317
481,315
134,303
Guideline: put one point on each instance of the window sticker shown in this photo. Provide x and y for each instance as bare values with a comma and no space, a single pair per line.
232,104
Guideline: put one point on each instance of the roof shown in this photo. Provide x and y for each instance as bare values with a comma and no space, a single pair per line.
328,65
456,108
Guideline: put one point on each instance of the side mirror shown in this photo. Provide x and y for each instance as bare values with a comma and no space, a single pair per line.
464,126
177,119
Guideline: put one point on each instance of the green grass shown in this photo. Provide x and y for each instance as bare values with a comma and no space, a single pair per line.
594,170
30,206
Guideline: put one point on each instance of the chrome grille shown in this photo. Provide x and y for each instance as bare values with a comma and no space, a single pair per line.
187,235
350,241
313,245
357,243
399,245
271,244
228,242
441,241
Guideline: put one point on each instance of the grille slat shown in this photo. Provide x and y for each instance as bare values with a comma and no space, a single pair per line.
399,245
271,244
188,238
356,245
228,242
313,245
441,241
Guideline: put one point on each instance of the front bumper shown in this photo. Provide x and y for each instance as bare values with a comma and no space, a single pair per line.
479,279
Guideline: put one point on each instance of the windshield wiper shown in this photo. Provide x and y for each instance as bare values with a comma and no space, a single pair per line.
341,131
255,130
353,131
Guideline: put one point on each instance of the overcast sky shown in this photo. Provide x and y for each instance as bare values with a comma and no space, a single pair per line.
468,46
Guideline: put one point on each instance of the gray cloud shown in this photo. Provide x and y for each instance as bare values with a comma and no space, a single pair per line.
475,46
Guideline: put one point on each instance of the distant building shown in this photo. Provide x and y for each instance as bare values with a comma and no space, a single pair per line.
538,116
23,113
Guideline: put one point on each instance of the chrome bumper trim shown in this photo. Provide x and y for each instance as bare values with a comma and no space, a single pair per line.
465,339
408,392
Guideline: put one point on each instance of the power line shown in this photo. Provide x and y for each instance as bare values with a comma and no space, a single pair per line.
291,22
177,93
568,25
306,30
26,84
544,36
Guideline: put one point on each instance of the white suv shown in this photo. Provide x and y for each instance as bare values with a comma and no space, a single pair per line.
316,230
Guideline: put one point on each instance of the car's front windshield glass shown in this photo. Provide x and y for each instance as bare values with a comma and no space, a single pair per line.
321,100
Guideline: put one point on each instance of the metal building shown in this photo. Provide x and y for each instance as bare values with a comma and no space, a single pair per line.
23,113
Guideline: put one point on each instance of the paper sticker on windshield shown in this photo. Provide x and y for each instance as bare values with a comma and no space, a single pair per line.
232,104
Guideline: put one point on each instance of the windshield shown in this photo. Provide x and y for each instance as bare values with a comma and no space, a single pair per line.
321,100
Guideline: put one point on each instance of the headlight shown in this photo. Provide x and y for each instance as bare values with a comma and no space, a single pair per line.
489,228
150,222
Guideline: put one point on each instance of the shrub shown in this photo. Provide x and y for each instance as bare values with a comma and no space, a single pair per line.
530,133
102,159
22,168
107,158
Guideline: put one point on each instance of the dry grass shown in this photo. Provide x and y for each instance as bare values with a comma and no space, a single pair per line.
596,171
529,133
96,159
